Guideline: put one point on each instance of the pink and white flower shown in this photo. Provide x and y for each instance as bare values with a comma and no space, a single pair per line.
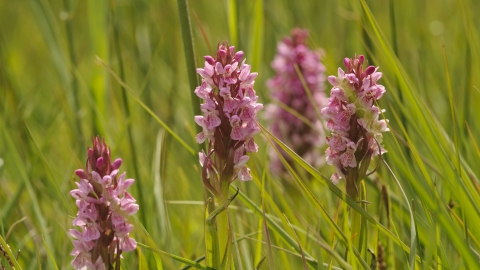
287,88
104,207
229,119
353,119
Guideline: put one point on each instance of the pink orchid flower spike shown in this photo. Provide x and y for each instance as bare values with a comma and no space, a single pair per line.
104,206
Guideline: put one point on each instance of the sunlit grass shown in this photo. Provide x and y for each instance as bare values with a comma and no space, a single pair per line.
61,84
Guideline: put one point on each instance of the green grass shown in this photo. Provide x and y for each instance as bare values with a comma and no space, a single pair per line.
64,73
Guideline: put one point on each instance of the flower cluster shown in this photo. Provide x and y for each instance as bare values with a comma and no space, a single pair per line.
306,135
104,206
229,118
353,120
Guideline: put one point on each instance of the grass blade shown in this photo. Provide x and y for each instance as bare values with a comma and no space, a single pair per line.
9,252
165,126
53,180
189,55
177,258
49,253
413,232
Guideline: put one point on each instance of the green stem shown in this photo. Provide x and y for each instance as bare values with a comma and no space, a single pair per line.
127,111
358,222
356,225
73,65
189,55
223,227
363,231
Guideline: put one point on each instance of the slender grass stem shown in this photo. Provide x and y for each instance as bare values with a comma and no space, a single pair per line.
395,51
127,109
74,82
223,227
189,55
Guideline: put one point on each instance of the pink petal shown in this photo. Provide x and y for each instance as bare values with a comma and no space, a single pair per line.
213,121
75,234
245,70
244,174
335,178
237,133
219,69
251,146
200,138
333,80
128,244
130,209
96,177
241,162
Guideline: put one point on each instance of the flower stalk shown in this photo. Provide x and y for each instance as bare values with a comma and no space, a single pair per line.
356,131
228,122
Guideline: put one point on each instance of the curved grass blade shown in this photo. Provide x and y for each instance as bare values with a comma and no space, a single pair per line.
10,254
413,231
440,145
158,259
159,168
323,211
177,258
22,173
309,93
134,95
436,203
52,178
285,236
271,262
189,55
50,254
336,191
13,201
300,117
472,137
305,267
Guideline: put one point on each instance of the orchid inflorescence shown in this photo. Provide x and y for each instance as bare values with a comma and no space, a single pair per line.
229,119
304,136
104,206
353,120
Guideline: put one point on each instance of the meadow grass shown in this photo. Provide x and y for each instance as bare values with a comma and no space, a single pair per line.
70,70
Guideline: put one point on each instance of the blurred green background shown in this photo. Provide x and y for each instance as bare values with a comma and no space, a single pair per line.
55,95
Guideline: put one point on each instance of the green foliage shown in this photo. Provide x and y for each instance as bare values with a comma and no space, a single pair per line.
61,82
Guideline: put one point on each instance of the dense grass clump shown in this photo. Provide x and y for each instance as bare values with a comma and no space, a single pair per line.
126,71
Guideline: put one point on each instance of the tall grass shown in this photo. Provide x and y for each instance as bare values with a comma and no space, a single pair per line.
61,82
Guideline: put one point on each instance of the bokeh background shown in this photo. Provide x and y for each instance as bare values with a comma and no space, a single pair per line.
55,95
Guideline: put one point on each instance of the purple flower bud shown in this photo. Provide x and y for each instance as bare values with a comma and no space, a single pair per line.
209,59
117,163
361,59
221,54
99,162
238,56
81,173
369,70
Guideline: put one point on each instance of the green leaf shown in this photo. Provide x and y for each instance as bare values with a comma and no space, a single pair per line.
177,258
